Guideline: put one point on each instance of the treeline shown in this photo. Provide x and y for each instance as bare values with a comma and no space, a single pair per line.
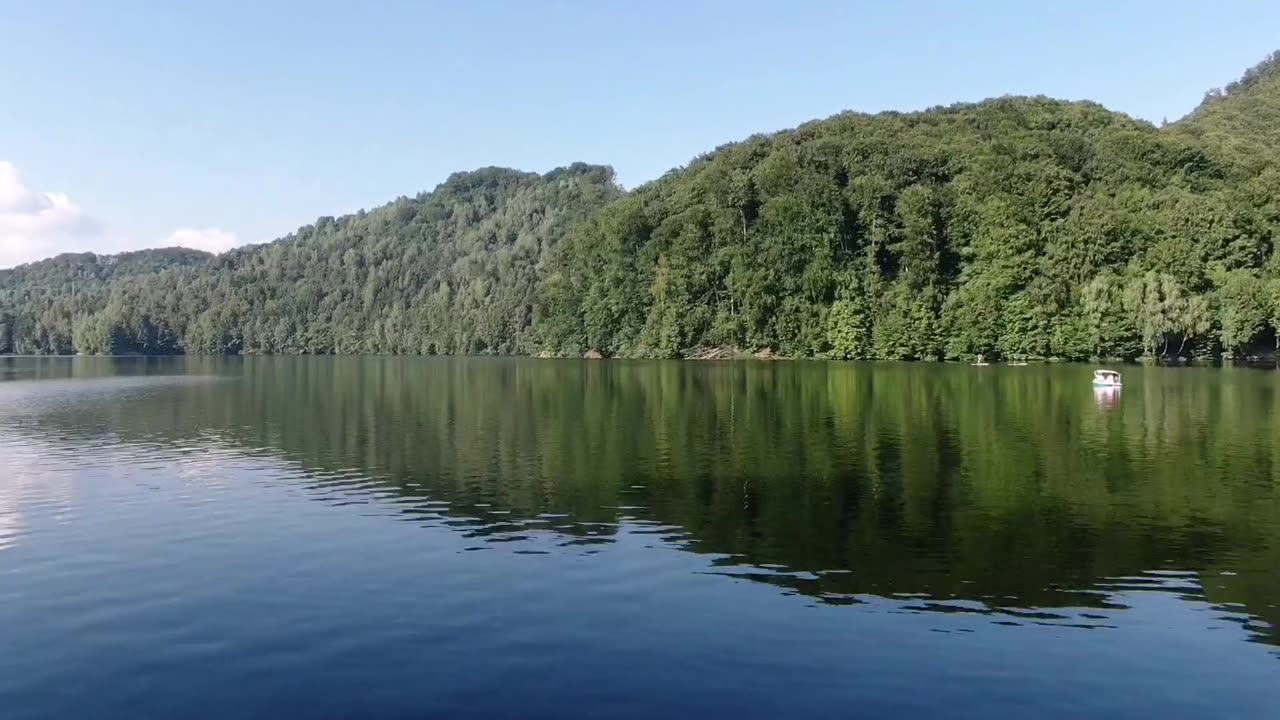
1015,227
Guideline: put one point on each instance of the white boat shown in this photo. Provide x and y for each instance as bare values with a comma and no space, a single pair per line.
1106,379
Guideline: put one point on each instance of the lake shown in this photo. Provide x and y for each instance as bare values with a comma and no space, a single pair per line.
490,537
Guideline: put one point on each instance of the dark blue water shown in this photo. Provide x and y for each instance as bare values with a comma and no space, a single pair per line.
501,538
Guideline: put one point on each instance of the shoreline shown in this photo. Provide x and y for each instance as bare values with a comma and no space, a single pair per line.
714,355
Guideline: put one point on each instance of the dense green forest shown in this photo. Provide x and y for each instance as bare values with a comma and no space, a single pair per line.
1014,227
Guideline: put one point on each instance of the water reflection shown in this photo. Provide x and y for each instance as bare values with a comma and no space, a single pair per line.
1106,397
26,488
933,488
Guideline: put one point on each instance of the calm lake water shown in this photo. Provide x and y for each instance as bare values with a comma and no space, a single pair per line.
397,537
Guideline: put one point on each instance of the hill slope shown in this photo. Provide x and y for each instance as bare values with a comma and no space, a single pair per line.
39,300
1242,119
1016,227
450,271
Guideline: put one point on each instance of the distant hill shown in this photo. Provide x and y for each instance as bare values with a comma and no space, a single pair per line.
39,300
450,271
1013,227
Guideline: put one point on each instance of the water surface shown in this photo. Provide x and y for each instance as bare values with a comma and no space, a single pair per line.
340,537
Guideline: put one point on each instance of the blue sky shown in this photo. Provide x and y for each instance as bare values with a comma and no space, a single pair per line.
124,122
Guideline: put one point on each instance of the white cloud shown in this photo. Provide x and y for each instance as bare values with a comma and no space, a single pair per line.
35,225
210,240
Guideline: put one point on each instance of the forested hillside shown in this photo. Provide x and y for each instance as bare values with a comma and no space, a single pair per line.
1013,227
451,271
40,302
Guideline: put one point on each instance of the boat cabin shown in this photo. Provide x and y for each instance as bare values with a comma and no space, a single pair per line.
1106,378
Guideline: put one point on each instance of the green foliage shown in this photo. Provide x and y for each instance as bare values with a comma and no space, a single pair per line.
1243,308
1014,227
1155,305
847,330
